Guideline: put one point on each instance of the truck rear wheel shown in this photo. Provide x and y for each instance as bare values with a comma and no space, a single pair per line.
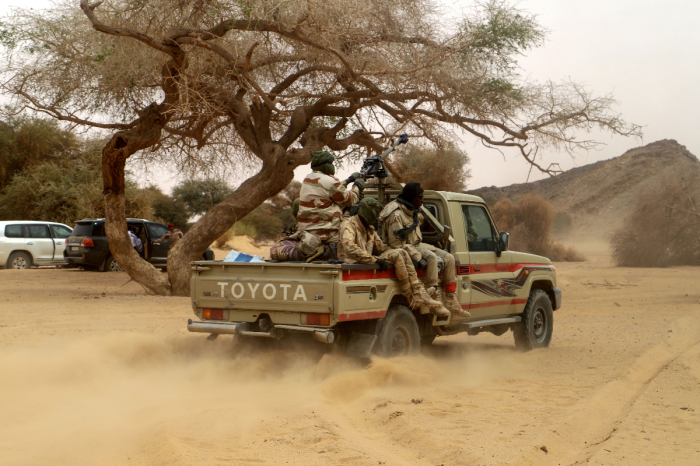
398,333
535,330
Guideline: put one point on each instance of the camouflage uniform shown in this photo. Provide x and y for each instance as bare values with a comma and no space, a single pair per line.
396,216
321,203
359,244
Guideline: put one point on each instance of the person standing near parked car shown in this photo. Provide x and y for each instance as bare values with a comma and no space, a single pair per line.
173,234
135,240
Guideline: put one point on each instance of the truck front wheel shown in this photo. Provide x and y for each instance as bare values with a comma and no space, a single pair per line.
398,333
535,329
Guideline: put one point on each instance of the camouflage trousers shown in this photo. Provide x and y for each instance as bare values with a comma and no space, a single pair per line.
430,253
403,266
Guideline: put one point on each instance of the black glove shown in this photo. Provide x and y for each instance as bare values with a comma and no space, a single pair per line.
360,183
353,177
422,264
383,264
415,263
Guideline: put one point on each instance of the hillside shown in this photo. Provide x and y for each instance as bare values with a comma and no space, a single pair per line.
598,195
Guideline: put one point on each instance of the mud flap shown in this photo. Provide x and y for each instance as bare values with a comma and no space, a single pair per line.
360,345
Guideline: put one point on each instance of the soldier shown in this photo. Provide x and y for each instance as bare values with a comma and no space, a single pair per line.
173,234
359,243
402,221
323,197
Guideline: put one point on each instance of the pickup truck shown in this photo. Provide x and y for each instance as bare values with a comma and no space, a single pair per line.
358,309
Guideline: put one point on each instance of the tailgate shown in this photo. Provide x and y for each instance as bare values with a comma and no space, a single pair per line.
281,290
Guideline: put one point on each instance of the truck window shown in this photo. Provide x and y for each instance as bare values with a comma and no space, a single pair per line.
484,230
156,230
14,231
38,231
426,227
98,230
60,232
82,229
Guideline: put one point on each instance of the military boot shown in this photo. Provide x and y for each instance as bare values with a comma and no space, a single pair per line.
420,298
451,303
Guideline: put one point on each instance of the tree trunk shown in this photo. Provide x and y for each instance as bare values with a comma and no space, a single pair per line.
271,179
114,155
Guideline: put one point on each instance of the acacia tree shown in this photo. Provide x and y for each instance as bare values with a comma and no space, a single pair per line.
266,83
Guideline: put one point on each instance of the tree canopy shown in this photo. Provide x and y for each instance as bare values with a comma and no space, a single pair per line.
199,196
264,84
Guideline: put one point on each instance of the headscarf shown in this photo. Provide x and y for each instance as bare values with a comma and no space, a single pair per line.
322,161
410,191
369,210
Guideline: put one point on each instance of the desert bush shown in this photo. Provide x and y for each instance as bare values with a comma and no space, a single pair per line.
440,169
662,228
529,223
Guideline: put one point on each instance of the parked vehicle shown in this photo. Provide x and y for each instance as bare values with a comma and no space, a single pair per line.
359,308
25,243
88,247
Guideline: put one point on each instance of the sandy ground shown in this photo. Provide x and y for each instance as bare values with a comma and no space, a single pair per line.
94,371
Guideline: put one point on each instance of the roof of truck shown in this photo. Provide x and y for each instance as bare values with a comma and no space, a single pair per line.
450,196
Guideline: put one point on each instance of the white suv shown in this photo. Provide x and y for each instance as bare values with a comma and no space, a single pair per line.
24,243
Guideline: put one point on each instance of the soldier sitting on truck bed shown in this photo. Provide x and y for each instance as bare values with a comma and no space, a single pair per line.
323,197
402,221
359,243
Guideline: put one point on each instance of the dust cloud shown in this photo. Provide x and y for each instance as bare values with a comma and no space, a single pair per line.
106,400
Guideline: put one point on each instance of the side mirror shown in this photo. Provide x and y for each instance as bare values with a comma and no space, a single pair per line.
503,243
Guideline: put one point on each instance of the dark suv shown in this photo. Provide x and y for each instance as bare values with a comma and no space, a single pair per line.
87,246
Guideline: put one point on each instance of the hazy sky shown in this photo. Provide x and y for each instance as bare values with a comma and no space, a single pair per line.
646,53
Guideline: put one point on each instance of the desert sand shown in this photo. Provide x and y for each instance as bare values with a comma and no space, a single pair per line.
93,371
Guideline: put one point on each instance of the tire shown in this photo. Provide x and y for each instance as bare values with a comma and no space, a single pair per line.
398,333
535,329
427,340
111,265
19,261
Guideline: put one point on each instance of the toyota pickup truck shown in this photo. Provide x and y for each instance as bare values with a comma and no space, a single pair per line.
358,310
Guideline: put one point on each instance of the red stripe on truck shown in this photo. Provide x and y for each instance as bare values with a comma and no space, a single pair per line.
349,275
494,303
361,316
493,268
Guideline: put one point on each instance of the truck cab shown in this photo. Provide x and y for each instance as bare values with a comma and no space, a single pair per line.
359,309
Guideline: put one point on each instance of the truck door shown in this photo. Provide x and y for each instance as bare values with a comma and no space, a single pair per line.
488,277
60,233
158,251
39,242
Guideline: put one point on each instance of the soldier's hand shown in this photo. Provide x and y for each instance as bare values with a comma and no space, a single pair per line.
422,264
360,183
383,264
353,177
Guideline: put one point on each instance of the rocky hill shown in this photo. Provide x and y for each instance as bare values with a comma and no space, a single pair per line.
598,196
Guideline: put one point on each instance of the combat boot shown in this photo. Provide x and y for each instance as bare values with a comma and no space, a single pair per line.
419,297
451,303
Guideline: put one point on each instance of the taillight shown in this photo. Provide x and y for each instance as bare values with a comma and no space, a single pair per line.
88,243
316,319
214,314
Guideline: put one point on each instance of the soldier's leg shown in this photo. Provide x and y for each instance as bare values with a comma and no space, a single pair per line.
411,287
431,273
449,279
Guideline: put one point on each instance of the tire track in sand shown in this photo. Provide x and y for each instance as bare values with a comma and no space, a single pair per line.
594,420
